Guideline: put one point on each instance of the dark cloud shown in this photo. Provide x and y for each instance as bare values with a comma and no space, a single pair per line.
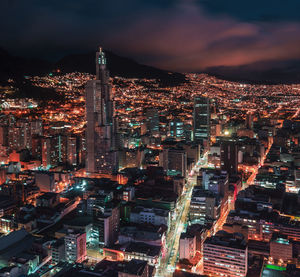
185,35
254,10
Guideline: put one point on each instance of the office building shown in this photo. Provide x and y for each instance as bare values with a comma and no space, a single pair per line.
281,248
215,181
107,225
153,216
75,246
101,125
106,218
201,119
249,121
225,255
176,129
174,161
187,246
58,251
36,127
152,121
204,205
229,157
72,151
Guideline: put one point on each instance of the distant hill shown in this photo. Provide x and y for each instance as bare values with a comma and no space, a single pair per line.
18,67
265,72
118,66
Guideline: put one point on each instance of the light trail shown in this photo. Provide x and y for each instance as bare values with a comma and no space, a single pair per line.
166,264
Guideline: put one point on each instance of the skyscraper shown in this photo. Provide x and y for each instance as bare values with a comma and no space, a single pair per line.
176,128
174,160
75,246
201,119
101,127
229,157
249,120
152,121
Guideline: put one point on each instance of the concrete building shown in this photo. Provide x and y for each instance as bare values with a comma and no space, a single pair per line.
72,150
281,248
142,251
229,157
106,224
225,255
176,129
204,205
58,251
45,181
75,246
101,125
187,246
150,215
174,161
215,181
152,121
201,119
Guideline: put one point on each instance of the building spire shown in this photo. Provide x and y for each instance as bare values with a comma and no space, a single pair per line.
101,57
101,71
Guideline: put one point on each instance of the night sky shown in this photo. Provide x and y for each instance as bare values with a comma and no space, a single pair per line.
182,35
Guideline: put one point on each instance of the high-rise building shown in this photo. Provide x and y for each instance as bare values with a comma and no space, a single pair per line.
201,119
106,218
101,126
107,223
176,128
174,161
36,150
249,121
4,135
46,154
75,247
54,150
58,251
14,135
187,246
281,248
72,150
25,134
225,255
152,121
215,181
229,157
36,127
204,205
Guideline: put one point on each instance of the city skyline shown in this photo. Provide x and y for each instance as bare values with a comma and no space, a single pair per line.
110,167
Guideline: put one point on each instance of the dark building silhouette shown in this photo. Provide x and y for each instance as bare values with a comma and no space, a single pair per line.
229,157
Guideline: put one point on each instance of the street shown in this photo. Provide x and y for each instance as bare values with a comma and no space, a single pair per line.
166,264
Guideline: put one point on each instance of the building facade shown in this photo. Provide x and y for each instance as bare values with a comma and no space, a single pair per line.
101,125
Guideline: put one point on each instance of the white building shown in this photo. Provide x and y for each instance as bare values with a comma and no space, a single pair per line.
150,215
75,247
187,246
225,255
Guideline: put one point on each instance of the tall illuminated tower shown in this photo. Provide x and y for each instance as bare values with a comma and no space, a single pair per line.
101,130
201,119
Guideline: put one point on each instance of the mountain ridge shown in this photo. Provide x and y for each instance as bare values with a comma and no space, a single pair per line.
17,67
264,72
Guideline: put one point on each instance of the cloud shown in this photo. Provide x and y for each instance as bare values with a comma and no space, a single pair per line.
188,39
183,35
